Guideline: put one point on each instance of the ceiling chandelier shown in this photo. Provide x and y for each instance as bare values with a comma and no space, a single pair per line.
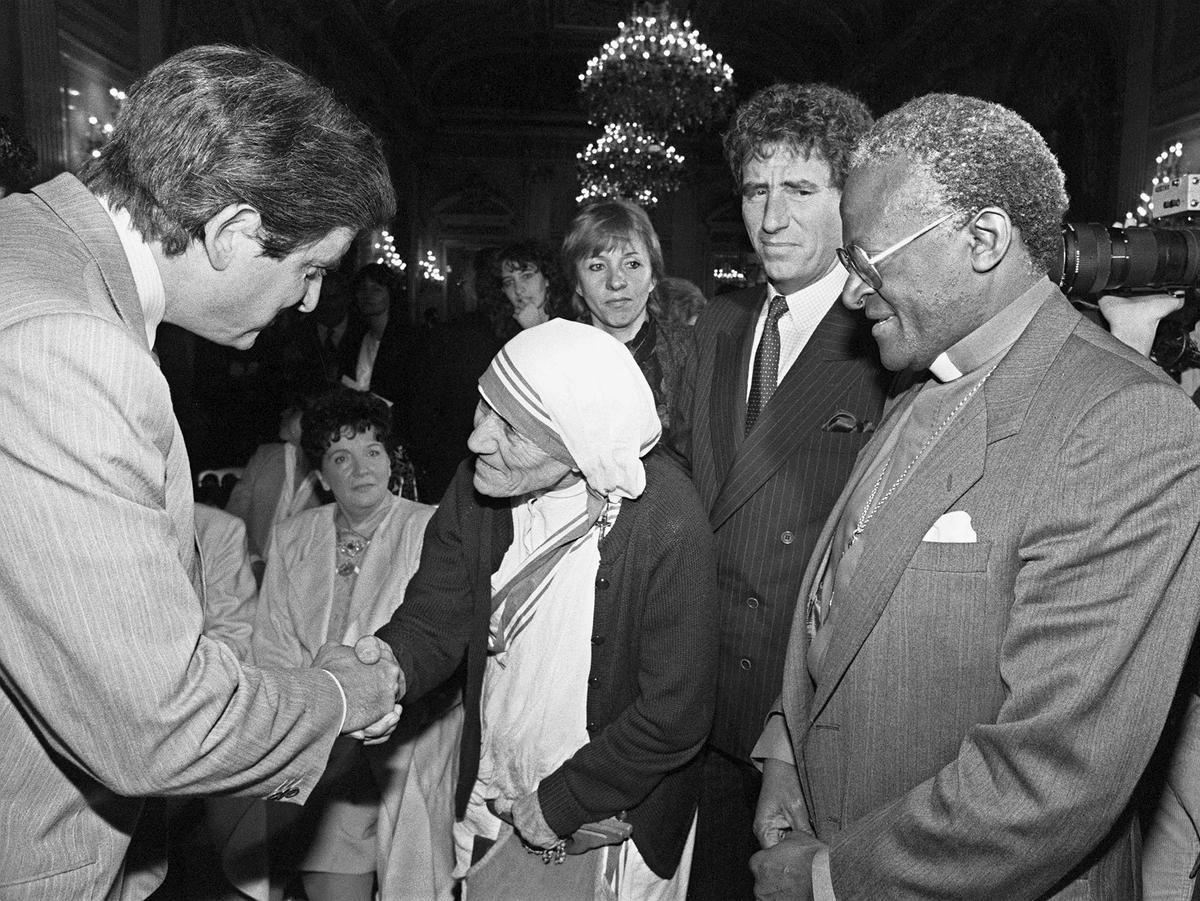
653,82
626,161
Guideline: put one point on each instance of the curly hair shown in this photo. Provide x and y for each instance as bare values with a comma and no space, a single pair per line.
601,226
537,255
343,412
218,125
979,154
805,118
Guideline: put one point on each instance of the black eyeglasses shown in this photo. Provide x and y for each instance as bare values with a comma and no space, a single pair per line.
855,259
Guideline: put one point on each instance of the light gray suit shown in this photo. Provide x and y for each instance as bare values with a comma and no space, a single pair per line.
984,710
108,693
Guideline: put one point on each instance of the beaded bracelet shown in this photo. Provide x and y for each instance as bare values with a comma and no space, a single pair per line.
556,853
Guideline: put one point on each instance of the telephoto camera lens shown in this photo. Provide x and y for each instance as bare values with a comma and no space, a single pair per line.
1098,259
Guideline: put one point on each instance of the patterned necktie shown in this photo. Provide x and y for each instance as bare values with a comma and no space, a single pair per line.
766,362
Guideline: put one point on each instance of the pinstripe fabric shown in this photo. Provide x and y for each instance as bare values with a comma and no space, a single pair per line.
768,493
107,691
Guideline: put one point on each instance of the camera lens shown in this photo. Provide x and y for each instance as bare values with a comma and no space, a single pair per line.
1097,258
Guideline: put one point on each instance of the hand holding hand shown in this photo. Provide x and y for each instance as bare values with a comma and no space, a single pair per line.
783,872
371,687
1134,320
780,809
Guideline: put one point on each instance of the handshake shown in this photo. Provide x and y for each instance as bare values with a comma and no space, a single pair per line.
373,684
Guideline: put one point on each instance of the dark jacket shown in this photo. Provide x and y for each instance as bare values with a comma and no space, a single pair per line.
768,494
650,692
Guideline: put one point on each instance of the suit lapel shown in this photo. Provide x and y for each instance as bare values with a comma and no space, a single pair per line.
81,212
951,468
798,408
731,363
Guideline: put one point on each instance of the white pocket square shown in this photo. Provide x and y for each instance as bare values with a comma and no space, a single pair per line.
952,528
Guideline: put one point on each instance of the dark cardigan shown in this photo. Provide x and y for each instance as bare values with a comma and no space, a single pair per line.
654,647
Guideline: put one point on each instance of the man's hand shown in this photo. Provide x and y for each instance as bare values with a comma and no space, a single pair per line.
783,872
370,677
1134,320
780,808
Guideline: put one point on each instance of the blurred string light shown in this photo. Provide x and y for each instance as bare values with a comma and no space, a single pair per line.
386,253
653,82
430,269
99,130
729,275
1166,168
627,162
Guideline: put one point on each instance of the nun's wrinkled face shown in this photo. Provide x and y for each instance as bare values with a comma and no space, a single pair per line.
507,464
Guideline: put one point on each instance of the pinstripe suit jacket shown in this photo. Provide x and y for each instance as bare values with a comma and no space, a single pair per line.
767,495
108,691
984,710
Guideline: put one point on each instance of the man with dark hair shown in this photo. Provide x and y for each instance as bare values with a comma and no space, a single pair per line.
783,391
999,607
231,184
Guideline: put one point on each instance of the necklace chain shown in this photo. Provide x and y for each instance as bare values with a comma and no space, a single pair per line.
870,509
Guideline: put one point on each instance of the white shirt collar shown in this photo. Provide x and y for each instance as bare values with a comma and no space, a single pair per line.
146,278
819,296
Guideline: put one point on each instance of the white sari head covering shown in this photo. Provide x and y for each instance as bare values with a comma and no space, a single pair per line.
577,393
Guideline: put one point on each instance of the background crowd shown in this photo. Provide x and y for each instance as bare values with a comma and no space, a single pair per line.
875,580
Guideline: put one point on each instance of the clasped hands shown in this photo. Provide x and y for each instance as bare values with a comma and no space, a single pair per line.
783,869
372,682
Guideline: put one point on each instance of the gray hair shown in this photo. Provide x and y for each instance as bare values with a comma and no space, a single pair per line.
979,154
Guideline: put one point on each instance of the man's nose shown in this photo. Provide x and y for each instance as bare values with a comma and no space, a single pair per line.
775,214
855,291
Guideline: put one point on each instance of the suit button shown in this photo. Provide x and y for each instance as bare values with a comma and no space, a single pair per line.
602,583
291,793
787,537
594,680
597,640
744,663
591,727
752,603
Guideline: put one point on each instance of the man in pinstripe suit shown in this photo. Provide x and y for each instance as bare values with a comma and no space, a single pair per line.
232,181
784,390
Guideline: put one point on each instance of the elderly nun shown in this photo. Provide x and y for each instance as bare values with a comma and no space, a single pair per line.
573,566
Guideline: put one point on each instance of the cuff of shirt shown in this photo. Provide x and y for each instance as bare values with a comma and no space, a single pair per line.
774,743
822,880
342,692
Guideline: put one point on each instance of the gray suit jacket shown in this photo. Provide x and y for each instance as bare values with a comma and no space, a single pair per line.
108,691
984,711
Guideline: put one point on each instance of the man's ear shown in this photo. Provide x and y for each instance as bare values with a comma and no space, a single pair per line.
991,233
223,233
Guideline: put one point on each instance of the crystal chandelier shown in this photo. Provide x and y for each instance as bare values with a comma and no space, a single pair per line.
656,72
653,81
626,161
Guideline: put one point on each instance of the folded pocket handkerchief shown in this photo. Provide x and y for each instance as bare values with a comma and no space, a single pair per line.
952,528
845,421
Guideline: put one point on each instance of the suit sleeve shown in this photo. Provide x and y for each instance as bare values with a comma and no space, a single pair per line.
100,628
666,725
1102,616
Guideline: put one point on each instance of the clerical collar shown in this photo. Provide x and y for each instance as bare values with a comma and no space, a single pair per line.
146,278
992,339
